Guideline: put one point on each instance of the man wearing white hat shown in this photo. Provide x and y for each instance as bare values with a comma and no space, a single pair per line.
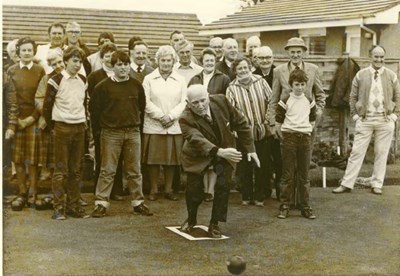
296,49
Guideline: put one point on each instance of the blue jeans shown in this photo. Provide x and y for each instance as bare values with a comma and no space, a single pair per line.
113,143
296,148
69,142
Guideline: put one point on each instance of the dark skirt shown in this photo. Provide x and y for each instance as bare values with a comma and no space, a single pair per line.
26,145
160,149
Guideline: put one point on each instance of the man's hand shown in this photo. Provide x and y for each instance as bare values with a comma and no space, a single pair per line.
230,154
278,131
272,129
23,123
253,155
9,134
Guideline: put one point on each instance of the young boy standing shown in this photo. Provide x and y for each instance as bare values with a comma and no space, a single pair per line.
64,110
295,119
117,108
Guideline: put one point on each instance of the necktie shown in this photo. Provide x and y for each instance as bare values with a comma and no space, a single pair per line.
376,75
139,69
297,68
208,119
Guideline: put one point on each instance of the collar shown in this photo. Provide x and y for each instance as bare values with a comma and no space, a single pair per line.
253,79
228,63
62,47
156,74
29,66
372,70
211,74
178,65
134,66
114,79
107,70
209,111
68,76
292,67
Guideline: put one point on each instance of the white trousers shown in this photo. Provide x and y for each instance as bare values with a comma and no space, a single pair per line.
383,130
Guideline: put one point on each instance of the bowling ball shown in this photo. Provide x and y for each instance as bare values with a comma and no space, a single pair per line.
236,265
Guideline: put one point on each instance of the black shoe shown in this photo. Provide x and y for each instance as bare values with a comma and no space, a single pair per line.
77,213
117,198
283,212
214,231
59,214
186,227
142,209
208,197
99,211
18,203
307,213
171,196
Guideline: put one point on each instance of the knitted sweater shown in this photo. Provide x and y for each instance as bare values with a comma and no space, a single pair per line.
21,92
296,113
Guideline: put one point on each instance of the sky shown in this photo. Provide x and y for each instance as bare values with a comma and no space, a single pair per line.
206,10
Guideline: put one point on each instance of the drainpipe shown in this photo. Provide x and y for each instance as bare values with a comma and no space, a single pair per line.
370,31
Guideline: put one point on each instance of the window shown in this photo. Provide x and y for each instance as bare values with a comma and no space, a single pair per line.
353,40
315,39
316,44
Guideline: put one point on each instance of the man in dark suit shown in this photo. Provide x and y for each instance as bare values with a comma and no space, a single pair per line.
264,58
231,52
140,66
207,126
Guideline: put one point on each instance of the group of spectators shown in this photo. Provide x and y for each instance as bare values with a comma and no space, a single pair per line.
63,102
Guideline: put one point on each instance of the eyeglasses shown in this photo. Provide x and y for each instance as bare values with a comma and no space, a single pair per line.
74,32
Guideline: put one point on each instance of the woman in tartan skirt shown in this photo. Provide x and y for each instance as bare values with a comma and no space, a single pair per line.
23,79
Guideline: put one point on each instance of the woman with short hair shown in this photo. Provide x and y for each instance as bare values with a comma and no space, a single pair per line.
165,92
23,80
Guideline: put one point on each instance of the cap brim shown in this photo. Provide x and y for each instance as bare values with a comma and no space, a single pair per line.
302,46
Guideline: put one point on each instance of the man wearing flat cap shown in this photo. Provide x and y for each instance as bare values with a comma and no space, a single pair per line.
296,49
185,66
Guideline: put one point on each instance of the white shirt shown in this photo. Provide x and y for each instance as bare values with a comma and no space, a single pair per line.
188,72
29,65
134,66
95,61
207,78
